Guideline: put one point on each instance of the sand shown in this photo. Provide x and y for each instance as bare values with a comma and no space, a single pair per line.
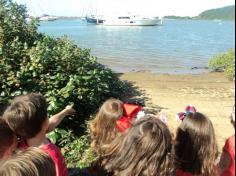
211,93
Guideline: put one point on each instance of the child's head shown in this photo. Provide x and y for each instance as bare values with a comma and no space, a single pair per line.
196,146
8,140
103,127
145,149
27,114
31,162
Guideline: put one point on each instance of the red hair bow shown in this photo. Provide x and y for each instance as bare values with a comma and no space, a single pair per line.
130,112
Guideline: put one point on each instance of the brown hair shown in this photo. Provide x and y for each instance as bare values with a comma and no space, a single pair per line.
31,162
233,116
144,150
26,114
196,147
103,128
6,136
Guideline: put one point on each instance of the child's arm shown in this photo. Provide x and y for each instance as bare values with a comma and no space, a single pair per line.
55,120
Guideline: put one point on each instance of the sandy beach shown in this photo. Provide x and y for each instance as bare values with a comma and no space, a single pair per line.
211,93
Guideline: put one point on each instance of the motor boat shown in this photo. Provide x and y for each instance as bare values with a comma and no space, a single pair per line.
47,18
132,21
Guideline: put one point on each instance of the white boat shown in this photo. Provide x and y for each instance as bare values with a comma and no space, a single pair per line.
47,18
132,21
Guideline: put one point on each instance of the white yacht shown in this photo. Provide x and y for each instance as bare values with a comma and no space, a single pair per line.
132,21
47,18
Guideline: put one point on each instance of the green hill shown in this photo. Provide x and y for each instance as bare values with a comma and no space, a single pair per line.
177,17
224,13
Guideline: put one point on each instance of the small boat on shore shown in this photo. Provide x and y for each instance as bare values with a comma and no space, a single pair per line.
132,21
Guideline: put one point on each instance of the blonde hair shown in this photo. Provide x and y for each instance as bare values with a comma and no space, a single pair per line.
103,128
31,162
144,150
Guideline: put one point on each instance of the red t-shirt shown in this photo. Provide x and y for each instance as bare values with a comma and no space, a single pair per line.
54,152
181,173
230,149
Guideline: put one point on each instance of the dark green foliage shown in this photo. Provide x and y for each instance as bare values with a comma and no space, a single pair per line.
177,17
63,72
224,62
225,13
77,151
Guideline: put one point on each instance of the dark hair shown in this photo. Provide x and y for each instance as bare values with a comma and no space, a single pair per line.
31,162
2,108
26,114
103,128
6,137
144,150
233,116
195,146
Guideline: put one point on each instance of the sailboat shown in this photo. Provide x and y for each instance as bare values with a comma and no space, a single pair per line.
92,16
94,19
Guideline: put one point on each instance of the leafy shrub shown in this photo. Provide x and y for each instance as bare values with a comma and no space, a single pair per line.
77,151
224,62
56,67
64,73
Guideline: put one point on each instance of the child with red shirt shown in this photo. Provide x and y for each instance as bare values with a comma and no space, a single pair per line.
227,163
27,117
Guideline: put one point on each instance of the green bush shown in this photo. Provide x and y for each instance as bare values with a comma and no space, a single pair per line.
224,62
77,151
64,73
56,67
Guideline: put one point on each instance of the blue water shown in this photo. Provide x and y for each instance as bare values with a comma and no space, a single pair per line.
175,47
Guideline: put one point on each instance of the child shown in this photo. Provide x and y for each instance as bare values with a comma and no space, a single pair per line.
8,140
27,116
145,149
32,162
227,162
114,117
195,146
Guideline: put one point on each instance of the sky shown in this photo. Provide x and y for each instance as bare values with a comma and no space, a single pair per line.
107,7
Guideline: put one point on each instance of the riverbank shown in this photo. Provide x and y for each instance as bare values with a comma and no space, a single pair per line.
211,93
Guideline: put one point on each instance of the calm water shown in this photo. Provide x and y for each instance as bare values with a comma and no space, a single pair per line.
175,47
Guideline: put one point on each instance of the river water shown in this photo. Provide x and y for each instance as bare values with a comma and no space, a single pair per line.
175,47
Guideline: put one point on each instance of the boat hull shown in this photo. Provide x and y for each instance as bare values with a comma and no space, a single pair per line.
136,22
47,18
90,20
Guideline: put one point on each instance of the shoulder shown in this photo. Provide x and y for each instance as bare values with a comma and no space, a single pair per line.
230,144
52,150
